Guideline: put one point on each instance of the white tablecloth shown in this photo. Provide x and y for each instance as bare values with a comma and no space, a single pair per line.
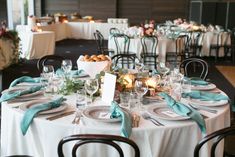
164,45
176,138
35,45
85,30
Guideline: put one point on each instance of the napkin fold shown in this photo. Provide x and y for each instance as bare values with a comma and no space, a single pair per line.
196,81
32,112
24,79
72,73
116,112
205,96
184,110
11,95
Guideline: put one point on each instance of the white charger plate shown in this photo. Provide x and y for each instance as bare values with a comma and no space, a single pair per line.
159,111
210,86
33,103
207,103
95,113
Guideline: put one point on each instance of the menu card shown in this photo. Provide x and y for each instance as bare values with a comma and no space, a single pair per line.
108,90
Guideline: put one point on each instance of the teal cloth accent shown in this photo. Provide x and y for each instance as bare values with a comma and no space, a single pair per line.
32,112
155,72
184,110
24,79
205,96
11,95
116,112
73,73
197,81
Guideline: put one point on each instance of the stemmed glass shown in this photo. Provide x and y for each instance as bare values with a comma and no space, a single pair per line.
91,87
162,68
141,89
48,74
66,66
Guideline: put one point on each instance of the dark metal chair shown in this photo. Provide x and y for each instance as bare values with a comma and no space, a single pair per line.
49,59
110,140
149,47
194,67
219,135
127,61
113,31
194,43
229,50
99,38
180,53
216,47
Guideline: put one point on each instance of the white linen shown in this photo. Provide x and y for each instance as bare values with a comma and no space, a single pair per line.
176,138
85,30
36,44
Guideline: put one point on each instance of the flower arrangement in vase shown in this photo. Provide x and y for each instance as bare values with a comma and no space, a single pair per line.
149,28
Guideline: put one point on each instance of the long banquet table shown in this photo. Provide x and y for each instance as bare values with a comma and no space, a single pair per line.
176,138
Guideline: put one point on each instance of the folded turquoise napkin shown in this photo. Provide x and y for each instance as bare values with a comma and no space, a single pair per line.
116,112
32,112
72,73
184,110
196,81
24,79
11,95
205,96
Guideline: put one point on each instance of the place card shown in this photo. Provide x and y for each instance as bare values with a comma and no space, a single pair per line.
108,90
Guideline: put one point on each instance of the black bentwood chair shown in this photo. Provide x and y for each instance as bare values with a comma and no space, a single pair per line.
49,59
110,140
219,135
194,67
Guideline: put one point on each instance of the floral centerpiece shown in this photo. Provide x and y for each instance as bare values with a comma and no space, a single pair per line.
149,28
9,46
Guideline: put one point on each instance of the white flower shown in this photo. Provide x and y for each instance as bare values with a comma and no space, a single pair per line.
151,25
146,26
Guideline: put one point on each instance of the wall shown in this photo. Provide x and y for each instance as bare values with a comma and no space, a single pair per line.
3,10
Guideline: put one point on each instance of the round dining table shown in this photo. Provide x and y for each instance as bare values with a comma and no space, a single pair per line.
176,138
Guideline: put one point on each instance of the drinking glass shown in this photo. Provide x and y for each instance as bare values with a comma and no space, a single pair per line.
48,74
141,89
91,87
66,66
162,68
186,86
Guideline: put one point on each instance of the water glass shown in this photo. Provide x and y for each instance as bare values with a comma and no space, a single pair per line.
91,87
141,89
186,86
66,66
81,99
176,91
124,99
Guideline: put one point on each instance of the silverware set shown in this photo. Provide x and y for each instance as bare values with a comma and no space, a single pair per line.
153,120
204,108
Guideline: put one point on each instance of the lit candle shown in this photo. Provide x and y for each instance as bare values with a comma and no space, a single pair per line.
92,21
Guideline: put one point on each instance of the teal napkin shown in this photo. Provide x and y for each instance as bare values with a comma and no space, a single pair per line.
184,110
205,96
24,79
32,112
11,95
116,112
197,81
72,73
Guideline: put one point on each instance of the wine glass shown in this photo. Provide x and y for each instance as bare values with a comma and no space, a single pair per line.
66,66
91,87
162,68
141,89
48,74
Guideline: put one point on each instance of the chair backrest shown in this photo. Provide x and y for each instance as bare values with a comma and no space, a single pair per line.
181,43
194,67
50,60
113,31
110,140
127,61
99,38
122,43
220,134
149,44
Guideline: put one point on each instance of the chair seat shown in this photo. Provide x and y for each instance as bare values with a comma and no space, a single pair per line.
149,55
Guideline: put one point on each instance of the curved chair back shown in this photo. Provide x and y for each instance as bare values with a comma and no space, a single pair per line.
194,67
49,59
149,44
125,60
99,38
122,43
95,138
113,31
220,134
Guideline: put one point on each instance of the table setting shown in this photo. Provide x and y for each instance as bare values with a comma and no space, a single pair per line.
131,103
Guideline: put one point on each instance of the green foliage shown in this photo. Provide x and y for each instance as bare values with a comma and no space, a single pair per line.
71,86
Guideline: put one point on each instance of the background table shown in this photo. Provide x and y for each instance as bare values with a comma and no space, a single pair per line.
176,138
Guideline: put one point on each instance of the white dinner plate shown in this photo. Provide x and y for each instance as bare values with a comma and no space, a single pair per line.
210,86
15,88
207,103
33,103
100,114
164,112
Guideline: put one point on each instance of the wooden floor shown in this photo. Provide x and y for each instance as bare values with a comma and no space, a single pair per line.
228,72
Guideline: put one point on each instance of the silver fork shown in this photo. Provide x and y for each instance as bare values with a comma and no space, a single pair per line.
154,121
76,119
203,108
